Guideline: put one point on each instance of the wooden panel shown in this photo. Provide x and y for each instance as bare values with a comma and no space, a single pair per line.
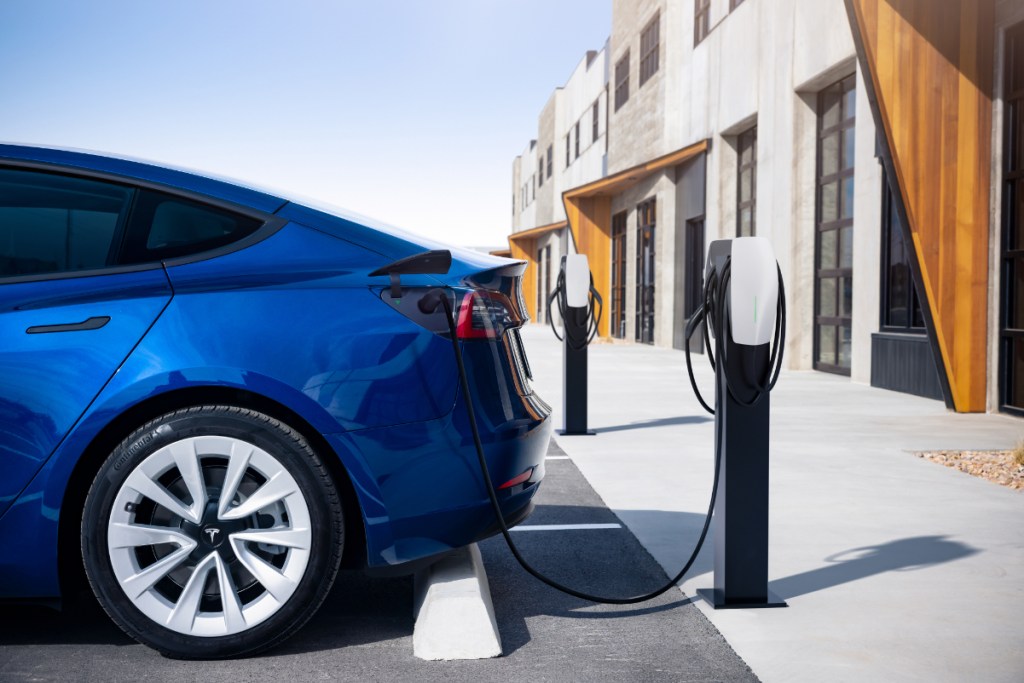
590,219
526,250
929,65
588,209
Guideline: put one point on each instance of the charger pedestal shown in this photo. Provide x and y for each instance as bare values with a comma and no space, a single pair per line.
574,375
741,507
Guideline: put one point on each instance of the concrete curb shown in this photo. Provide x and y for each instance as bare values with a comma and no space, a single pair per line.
453,609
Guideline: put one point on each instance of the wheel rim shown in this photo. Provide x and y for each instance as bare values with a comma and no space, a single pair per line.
209,536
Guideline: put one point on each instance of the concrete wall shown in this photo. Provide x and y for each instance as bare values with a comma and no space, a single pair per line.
638,127
567,105
547,134
524,171
585,86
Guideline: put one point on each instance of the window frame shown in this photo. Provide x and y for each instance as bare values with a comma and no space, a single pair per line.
836,224
741,167
595,114
650,51
270,223
646,222
577,136
622,84
885,285
551,159
1010,251
617,304
701,20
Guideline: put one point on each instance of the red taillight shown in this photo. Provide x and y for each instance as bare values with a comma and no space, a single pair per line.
484,314
525,476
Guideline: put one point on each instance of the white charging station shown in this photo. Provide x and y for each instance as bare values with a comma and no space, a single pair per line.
753,291
577,280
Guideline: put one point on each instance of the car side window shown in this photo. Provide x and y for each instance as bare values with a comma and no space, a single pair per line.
165,226
51,223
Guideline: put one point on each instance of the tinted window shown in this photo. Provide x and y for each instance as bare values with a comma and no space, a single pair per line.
164,226
54,224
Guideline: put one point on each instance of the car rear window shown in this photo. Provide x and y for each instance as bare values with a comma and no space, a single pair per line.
165,226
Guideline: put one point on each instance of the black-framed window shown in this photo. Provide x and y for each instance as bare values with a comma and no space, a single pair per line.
701,20
576,134
618,303
1011,309
649,48
834,234
901,305
568,146
646,224
551,159
58,224
746,183
540,172
595,118
622,81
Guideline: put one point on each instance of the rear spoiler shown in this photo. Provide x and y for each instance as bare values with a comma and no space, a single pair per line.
506,278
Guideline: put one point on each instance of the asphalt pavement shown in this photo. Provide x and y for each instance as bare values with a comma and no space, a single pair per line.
364,630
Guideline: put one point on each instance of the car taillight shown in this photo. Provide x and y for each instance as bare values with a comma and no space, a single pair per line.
484,314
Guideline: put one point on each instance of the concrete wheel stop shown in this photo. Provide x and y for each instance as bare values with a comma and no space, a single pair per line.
453,609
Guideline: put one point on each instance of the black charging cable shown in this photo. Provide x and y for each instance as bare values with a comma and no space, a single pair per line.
715,313
428,304
593,319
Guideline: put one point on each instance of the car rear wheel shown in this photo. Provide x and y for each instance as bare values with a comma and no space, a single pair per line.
212,532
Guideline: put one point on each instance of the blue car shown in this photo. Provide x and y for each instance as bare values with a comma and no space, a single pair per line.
211,398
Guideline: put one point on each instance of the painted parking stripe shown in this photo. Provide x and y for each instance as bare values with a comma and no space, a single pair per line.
563,527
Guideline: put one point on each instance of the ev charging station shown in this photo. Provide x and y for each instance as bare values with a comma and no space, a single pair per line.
576,298
744,312
746,319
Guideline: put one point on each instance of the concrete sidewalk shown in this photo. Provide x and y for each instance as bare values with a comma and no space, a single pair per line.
894,568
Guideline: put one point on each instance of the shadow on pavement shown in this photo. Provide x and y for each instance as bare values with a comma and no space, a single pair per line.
905,554
660,422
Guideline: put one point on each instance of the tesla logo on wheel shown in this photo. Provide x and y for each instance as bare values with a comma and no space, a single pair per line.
212,533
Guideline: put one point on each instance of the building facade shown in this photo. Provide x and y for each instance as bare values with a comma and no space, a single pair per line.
874,143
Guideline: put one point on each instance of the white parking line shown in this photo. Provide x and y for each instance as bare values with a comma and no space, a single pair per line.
563,527
556,457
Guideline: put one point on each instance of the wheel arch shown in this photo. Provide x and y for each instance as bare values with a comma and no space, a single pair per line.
70,570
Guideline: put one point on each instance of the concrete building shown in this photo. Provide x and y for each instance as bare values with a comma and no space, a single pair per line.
570,150
864,138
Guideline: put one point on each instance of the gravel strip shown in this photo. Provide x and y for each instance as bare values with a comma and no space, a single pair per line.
996,466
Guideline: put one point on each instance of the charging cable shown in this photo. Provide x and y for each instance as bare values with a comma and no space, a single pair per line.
576,343
715,313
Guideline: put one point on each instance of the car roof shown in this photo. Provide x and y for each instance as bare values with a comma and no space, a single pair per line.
187,180
374,235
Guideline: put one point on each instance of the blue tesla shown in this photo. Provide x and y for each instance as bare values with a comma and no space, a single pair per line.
211,398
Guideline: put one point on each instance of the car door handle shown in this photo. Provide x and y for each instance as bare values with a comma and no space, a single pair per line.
94,323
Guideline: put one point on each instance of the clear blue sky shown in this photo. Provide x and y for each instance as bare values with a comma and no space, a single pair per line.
408,111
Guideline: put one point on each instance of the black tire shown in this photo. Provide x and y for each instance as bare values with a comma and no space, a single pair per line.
290,450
